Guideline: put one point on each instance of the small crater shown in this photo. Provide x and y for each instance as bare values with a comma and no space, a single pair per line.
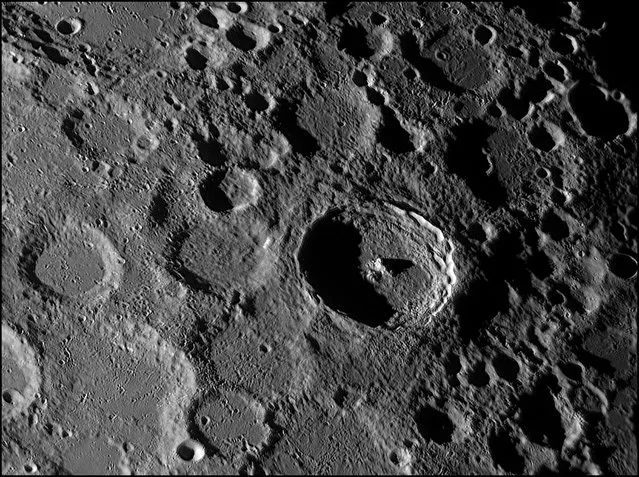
546,137
354,41
504,451
375,97
598,115
11,397
69,26
513,51
196,60
70,269
539,418
495,111
517,107
442,54
506,367
71,129
256,102
360,79
434,425
240,38
30,468
555,297
535,90
478,377
377,19
334,9
623,266
340,396
453,366
209,150
484,35
20,374
555,226
190,451
71,261
395,266
429,71
208,18
410,74
464,64
233,189
234,422
144,145
572,370
392,134
553,15
481,303
555,71
237,7
338,121
222,258
158,210
54,55
542,173
214,198
540,265
466,158
43,35
563,44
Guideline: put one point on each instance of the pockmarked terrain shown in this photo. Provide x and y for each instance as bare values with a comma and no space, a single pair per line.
318,238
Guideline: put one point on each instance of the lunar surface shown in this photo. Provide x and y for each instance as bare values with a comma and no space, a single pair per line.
319,238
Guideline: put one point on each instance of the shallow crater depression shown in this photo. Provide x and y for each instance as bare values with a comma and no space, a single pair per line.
72,261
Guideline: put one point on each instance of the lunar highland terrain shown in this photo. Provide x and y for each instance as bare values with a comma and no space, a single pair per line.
319,238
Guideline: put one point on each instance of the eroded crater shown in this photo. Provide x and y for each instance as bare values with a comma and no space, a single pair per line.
72,261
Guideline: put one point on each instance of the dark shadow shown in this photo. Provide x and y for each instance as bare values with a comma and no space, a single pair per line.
335,9
209,150
158,210
428,70
196,60
434,425
206,17
506,367
301,141
539,419
214,198
395,266
503,450
555,226
598,115
240,39
465,158
329,260
353,41
392,135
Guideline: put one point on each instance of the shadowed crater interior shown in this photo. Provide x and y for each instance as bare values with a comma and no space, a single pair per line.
598,115
329,260
214,198
434,425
